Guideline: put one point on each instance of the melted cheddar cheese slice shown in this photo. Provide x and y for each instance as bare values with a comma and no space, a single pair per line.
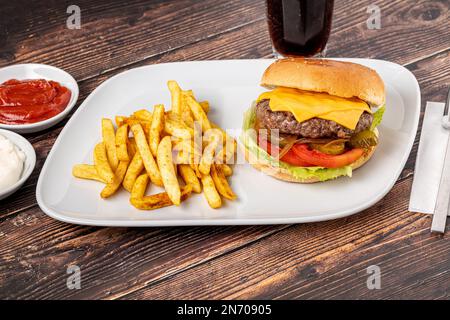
305,105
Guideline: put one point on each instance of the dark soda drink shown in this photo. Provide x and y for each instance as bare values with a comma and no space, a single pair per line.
299,27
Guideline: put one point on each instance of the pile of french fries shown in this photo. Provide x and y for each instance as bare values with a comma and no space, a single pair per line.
179,149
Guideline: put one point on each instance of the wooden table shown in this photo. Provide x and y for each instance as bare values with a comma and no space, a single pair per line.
305,261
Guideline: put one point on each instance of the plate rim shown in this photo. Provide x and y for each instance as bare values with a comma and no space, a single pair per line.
217,222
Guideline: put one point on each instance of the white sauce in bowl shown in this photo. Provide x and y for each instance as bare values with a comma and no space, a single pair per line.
12,161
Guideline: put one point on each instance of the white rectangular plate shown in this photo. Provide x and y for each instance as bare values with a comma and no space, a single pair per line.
230,86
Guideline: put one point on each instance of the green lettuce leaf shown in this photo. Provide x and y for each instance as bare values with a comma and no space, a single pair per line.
377,117
249,141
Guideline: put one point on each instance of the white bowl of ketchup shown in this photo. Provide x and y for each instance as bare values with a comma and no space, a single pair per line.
34,71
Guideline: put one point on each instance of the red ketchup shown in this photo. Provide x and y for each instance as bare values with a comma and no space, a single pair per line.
29,101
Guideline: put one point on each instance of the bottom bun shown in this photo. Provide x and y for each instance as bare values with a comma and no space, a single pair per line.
286,175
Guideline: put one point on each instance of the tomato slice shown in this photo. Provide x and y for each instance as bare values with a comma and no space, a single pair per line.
290,157
320,159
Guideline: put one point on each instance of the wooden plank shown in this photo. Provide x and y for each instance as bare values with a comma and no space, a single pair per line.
36,251
410,31
119,34
115,34
310,260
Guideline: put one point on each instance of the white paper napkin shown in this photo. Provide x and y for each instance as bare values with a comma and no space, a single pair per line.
429,161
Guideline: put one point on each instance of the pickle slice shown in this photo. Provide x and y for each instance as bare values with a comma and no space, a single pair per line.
364,139
329,148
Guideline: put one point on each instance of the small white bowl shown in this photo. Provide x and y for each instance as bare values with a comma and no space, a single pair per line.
40,71
30,161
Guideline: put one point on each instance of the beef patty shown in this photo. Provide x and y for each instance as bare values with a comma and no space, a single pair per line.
312,128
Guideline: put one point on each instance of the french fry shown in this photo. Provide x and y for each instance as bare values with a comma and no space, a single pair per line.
189,177
145,124
101,163
177,130
110,142
165,164
229,146
199,113
197,171
112,187
186,154
121,143
188,93
208,154
156,128
210,191
131,146
186,114
120,120
196,154
143,115
187,117
178,123
226,154
205,106
132,120
159,200
182,150
86,171
175,117
175,92
221,183
134,170
147,158
182,157
139,187
227,170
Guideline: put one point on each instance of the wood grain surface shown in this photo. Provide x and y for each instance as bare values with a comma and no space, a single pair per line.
326,260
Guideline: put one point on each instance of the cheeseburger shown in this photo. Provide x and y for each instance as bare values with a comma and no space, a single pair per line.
318,121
